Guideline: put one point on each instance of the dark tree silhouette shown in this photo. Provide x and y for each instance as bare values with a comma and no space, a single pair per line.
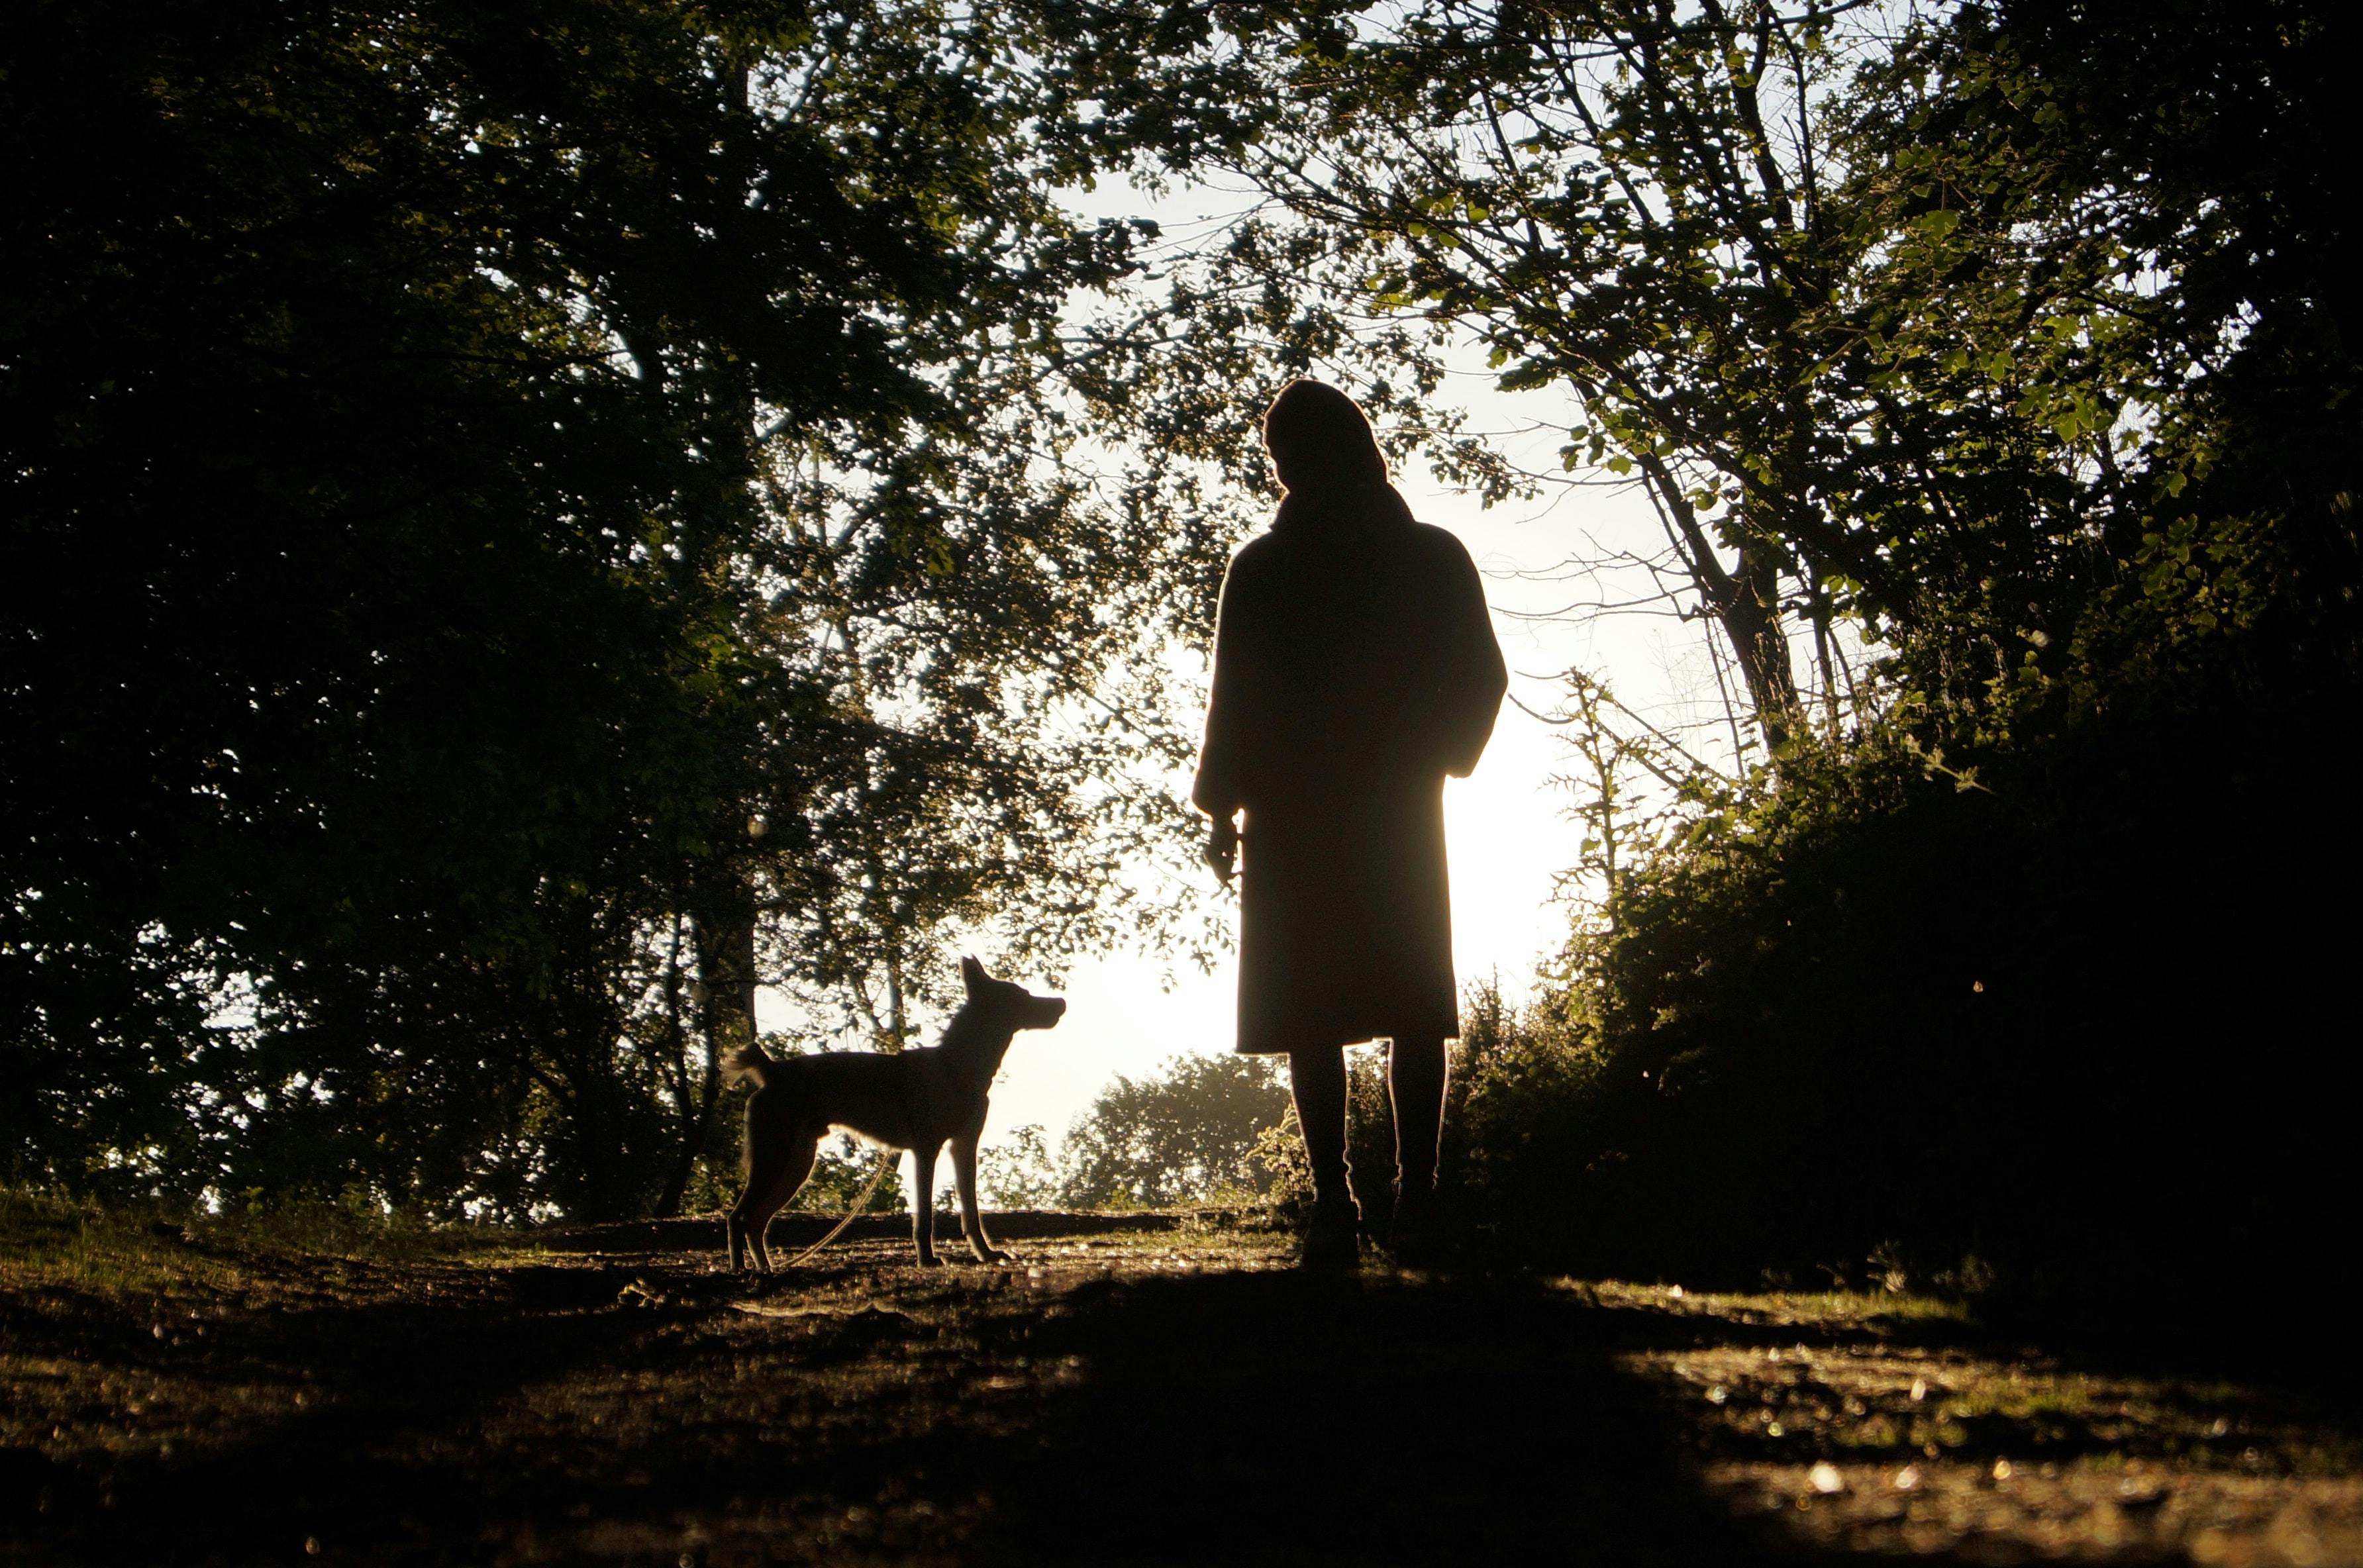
521,522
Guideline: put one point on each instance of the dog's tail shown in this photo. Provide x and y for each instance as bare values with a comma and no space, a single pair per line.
749,1061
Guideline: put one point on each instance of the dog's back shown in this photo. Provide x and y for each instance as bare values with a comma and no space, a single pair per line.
863,1092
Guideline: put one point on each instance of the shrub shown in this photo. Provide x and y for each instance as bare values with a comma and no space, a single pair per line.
1184,1137
2080,1021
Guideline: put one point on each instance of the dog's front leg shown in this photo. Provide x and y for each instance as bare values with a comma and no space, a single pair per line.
972,1217
922,1203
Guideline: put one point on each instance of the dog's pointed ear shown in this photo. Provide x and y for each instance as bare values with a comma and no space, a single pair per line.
973,976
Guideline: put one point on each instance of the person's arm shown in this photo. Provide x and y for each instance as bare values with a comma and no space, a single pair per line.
1217,790
1476,676
1222,851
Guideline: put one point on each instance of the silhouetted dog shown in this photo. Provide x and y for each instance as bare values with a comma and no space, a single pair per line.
913,1099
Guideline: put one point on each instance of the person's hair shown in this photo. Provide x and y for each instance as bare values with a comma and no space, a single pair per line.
1319,438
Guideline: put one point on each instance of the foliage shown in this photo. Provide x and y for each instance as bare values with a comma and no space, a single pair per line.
1015,1170
1880,1010
1888,314
1279,1154
523,523
842,1169
1954,978
1184,1137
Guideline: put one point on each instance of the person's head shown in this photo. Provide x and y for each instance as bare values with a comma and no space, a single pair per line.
1319,439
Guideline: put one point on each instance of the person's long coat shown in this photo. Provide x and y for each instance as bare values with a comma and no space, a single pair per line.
1355,668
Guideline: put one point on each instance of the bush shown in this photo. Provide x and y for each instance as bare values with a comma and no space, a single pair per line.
1184,1136
1015,1171
2081,1022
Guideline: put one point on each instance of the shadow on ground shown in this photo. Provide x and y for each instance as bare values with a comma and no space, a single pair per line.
1153,1393
618,1413
1272,1416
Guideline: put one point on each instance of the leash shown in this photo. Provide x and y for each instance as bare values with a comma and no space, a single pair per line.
885,1163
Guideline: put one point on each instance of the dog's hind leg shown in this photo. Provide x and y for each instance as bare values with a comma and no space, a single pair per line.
972,1217
776,1179
734,1223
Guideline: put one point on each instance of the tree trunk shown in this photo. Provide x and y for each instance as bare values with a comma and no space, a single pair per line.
1749,610
1744,599
724,928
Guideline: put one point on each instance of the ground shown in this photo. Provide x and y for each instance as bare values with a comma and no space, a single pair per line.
1143,1388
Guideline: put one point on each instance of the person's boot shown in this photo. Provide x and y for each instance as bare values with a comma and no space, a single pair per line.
1417,1239
1333,1235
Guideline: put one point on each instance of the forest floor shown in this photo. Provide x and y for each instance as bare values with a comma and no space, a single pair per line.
1148,1388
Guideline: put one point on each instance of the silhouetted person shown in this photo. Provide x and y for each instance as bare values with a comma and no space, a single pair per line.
1355,668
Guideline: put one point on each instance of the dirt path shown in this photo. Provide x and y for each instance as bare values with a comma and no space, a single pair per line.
1143,1389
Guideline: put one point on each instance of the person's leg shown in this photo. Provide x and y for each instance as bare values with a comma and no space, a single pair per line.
1415,1075
1334,1230
1317,1078
1415,1072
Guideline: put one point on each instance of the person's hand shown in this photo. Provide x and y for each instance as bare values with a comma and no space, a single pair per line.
1222,849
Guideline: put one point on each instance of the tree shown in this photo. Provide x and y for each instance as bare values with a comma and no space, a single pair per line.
514,515
1872,306
1591,191
1182,1136
1016,1170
